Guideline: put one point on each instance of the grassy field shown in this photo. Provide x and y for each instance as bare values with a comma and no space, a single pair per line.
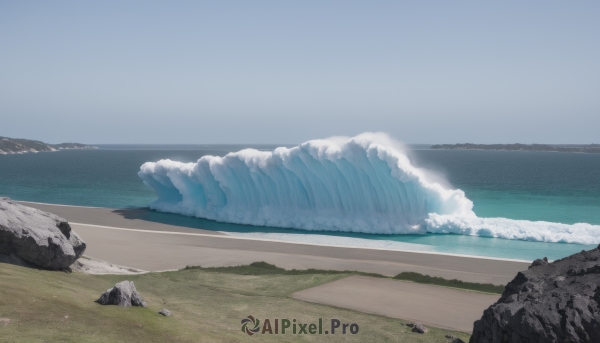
207,305
263,268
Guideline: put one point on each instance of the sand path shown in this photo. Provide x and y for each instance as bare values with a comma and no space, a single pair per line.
442,307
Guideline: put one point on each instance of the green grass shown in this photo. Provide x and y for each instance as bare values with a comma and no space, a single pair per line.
207,304
434,280
264,268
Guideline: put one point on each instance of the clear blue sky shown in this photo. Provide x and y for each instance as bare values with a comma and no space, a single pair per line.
288,71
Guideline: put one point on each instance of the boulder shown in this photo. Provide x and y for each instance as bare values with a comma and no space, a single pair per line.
554,302
165,312
419,328
123,294
37,237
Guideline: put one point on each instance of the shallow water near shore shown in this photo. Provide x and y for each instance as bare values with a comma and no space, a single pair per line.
554,187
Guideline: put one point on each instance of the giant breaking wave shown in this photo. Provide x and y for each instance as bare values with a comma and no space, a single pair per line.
360,184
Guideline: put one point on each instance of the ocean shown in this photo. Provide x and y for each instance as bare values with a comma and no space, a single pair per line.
535,186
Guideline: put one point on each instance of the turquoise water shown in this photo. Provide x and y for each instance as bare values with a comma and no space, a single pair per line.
554,187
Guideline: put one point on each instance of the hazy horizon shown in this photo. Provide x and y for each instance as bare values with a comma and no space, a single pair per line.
278,144
263,72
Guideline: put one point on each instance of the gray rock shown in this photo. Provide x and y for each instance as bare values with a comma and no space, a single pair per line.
16,260
123,294
165,312
554,302
419,328
539,262
454,339
37,237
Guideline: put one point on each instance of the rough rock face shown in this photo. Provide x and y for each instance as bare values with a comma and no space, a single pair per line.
555,302
123,294
37,237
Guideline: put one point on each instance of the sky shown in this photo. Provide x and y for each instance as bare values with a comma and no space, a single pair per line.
288,71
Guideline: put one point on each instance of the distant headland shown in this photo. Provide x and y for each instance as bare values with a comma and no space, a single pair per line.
586,148
21,146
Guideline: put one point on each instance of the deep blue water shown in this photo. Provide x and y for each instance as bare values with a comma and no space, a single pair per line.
556,187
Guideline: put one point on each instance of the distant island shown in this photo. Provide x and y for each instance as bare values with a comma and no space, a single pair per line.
21,146
588,148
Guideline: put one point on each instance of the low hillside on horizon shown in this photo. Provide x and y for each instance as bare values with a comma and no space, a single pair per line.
581,148
21,146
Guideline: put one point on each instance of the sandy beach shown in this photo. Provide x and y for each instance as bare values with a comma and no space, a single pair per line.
124,237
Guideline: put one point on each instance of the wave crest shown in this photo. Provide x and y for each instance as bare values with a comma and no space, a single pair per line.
360,184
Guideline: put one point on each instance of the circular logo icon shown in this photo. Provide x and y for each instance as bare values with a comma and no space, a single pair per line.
250,325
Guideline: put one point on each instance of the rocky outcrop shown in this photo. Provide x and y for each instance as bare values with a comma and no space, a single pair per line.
37,237
556,302
123,294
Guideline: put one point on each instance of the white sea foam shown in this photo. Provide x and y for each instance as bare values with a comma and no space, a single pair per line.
360,184
539,231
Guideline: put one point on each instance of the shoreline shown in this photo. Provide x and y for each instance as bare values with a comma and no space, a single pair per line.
128,238
47,203
231,236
